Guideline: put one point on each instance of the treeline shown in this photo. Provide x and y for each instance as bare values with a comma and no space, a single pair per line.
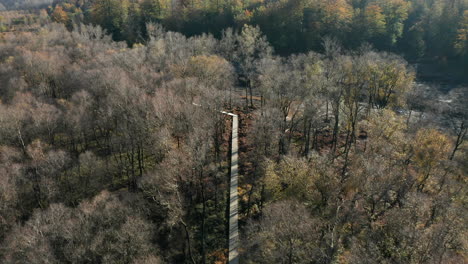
23,4
415,28
23,20
104,158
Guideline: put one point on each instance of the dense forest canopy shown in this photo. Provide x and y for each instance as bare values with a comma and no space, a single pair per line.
114,153
415,28
24,4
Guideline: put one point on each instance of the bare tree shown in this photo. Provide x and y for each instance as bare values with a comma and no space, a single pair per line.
285,234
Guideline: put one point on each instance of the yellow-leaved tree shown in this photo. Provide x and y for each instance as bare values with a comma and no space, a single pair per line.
431,148
59,15
461,44
291,178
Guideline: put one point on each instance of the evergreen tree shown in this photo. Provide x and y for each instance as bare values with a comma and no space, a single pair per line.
112,15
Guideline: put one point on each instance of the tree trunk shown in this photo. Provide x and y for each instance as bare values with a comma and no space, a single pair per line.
203,249
246,97
460,138
409,118
230,97
326,113
307,139
20,137
249,200
187,237
290,252
314,140
261,105
140,160
335,132
251,95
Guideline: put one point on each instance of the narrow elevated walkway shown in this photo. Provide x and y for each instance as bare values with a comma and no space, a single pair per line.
233,195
